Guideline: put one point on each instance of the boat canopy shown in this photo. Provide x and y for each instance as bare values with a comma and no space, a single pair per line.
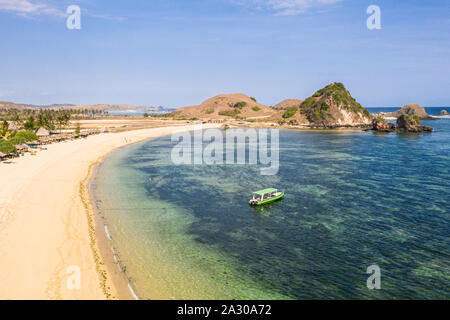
265,191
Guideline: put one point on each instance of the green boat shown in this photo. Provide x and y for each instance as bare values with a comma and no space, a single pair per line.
265,196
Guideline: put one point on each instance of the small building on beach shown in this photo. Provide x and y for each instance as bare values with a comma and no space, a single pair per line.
42,132
22,148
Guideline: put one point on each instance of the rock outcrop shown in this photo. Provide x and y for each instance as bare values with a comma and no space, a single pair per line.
410,109
332,107
411,123
405,123
443,113
379,124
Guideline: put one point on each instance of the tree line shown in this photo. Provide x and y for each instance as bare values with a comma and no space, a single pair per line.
48,119
11,114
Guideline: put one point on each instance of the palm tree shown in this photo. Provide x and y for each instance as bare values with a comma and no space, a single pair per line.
4,128
63,120
17,121
40,121
30,124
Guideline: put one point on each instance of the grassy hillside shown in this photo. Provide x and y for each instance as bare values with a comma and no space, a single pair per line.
226,106
334,106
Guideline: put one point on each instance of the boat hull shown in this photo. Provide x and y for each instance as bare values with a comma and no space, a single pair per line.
261,203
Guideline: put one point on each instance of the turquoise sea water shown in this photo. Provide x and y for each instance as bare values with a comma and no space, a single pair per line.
353,199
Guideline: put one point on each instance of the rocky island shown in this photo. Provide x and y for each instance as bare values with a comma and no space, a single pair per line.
410,109
405,123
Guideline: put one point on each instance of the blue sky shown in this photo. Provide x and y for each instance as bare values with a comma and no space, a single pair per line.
181,52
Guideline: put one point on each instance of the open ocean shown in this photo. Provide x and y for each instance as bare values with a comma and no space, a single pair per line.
353,199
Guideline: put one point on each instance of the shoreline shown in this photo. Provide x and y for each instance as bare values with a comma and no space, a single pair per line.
48,239
109,269
107,256
107,259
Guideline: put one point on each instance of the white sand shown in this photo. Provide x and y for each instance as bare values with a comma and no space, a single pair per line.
44,225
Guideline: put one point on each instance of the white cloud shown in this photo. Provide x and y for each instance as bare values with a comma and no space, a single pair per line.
286,7
27,8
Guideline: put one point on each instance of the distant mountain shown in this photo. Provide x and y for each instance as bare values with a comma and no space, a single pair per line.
33,106
104,107
11,105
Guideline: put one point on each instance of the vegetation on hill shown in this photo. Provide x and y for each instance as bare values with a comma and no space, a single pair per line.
240,105
316,112
233,113
290,112
283,105
333,105
236,105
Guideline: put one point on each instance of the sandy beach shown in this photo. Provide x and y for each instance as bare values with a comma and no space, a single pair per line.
47,229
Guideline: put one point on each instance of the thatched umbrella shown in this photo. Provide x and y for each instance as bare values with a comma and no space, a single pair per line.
42,132
22,147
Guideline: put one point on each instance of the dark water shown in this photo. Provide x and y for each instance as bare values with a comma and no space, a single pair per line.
353,199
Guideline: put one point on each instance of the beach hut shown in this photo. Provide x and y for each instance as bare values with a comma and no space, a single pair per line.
22,148
59,137
42,132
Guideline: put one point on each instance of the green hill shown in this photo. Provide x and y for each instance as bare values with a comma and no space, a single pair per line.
333,106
